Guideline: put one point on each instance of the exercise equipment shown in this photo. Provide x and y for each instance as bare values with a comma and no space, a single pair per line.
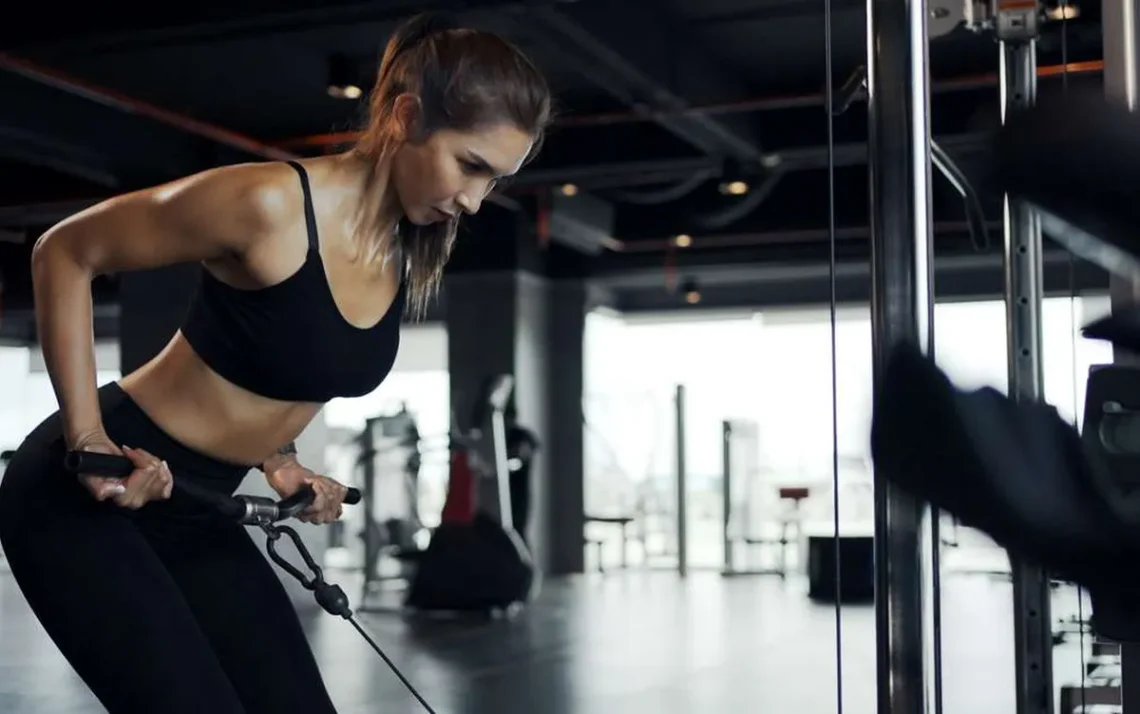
1111,436
744,497
475,562
522,446
389,463
1074,159
266,514
1017,470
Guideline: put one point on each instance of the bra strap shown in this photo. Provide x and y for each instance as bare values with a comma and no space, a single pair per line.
310,213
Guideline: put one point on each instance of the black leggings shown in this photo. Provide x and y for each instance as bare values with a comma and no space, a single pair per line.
167,609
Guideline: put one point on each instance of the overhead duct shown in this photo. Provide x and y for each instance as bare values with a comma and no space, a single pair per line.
582,222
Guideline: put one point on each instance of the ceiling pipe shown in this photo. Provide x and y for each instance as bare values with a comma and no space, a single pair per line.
129,105
758,104
189,125
776,237
806,101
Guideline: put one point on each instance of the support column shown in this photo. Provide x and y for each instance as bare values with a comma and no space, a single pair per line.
516,322
901,311
152,305
1119,23
565,441
1024,292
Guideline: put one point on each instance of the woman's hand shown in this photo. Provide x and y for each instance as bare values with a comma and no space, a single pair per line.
328,504
150,481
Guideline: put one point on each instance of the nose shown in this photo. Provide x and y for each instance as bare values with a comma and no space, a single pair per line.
469,205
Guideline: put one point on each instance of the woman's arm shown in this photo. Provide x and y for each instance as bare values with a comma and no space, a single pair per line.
285,456
213,214
286,475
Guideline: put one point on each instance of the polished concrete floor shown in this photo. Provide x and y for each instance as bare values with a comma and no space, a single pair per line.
629,643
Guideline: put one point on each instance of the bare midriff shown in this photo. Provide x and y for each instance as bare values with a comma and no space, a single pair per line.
200,409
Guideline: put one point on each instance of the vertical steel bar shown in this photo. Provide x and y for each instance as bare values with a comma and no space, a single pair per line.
682,487
1118,20
726,493
1023,297
901,308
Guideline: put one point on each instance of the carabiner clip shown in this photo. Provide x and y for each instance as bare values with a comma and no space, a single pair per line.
329,596
274,533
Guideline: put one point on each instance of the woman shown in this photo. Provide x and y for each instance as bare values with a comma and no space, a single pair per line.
307,269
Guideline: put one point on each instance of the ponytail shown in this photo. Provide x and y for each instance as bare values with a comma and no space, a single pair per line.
464,79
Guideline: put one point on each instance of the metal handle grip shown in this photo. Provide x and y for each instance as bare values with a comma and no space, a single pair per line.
94,464
115,466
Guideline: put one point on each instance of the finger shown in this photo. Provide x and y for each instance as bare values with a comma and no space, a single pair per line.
142,479
165,481
310,512
316,512
148,483
336,508
152,478
330,490
126,500
138,486
104,488
334,496
320,498
139,457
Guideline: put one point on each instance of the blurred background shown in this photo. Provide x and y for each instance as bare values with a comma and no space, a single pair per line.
695,369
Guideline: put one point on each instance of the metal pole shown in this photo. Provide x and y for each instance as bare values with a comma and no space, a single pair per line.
502,470
682,517
1118,22
1023,297
726,492
898,106
368,464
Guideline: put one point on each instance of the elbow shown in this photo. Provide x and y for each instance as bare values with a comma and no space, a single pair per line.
54,253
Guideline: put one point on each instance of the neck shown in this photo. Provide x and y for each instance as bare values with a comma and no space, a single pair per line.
377,211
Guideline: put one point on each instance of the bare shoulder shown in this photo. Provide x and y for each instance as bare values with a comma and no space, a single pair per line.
221,212
265,216
260,199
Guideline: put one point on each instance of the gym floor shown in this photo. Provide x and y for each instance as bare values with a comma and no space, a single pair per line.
633,642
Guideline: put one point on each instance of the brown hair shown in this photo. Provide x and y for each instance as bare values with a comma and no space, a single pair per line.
465,79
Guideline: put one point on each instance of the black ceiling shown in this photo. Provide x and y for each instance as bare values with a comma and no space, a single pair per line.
99,100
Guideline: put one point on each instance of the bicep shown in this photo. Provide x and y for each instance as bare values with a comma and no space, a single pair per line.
206,216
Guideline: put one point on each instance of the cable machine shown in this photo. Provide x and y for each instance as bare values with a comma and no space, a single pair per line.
392,529
1016,26
1120,24
900,156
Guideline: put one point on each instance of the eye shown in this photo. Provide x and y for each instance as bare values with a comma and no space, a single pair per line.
470,167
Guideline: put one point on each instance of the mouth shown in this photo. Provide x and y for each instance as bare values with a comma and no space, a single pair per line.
443,215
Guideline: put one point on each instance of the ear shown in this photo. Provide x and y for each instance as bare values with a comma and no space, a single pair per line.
407,114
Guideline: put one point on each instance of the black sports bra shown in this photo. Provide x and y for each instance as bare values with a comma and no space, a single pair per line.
289,341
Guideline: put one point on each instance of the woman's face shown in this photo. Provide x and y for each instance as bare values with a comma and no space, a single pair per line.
451,172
